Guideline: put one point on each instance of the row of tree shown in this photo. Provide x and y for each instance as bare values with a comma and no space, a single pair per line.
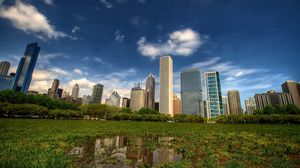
13,97
261,119
288,109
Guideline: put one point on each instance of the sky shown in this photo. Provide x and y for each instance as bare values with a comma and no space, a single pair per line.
254,44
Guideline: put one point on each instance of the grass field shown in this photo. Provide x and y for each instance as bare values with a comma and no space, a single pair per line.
50,143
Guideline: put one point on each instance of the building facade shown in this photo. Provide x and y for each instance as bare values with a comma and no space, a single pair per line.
150,91
75,91
114,99
234,102
272,98
225,105
126,102
137,98
4,68
97,94
25,69
213,94
166,85
176,105
291,87
191,92
86,99
53,92
250,105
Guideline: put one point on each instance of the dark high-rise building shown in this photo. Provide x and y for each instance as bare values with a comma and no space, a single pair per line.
126,102
26,67
150,91
234,102
191,92
59,92
4,68
156,106
97,94
292,88
272,98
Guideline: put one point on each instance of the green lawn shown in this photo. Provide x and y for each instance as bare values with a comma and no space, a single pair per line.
47,143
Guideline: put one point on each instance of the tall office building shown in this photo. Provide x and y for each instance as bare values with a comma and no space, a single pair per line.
114,99
213,94
291,87
137,97
26,67
272,98
205,110
225,105
166,85
125,102
176,105
97,94
234,102
4,68
86,99
191,92
250,105
150,91
75,91
53,92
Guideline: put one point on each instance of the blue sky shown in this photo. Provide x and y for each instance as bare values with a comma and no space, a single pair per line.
254,44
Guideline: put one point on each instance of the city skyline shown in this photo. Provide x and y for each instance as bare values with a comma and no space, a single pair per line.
249,67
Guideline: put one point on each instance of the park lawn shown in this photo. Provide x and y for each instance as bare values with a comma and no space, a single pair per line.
46,143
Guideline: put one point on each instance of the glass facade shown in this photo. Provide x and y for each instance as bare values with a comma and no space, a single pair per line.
214,95
26,67
191,92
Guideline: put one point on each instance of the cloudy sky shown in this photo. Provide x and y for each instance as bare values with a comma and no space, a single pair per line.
254,44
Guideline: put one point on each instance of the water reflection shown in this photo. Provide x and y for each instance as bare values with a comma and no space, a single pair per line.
122,151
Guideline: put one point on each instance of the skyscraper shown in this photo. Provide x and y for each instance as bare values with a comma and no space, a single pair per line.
54,89
176,105
166,85
75,91
250,105
114,99
213,94
137,97
4,68
150,91
234,102
272,98
225,105
125,102
292,88
97,94
26,67
86,99
191,92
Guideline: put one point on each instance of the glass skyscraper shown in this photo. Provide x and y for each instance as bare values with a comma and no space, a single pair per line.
191,92
26,67
214,94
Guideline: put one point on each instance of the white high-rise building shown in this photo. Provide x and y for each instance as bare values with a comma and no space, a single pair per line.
250,105
166,85
114,99
225,105
75,91
137,98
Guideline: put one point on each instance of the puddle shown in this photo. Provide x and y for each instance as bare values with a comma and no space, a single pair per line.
126,152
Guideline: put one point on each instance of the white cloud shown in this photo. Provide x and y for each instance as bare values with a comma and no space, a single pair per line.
78,71
44,60
181,42
99,60
48,2
106,3
75,29
27,18
119,36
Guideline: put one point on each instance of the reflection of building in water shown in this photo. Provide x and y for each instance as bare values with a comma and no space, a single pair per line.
122,149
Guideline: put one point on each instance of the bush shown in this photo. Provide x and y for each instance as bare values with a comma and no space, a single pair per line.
188,118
